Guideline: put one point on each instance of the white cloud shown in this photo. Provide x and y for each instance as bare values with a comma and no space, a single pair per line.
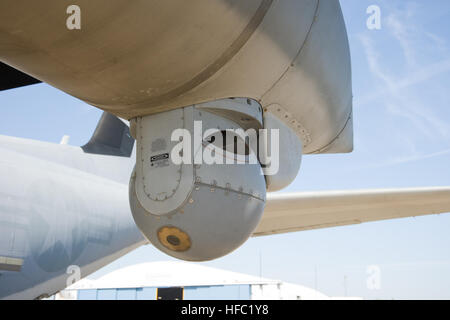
400,100
399,81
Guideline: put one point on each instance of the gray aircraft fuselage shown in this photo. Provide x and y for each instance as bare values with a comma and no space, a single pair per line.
60,207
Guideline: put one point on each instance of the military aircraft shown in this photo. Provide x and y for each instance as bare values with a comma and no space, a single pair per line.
167,72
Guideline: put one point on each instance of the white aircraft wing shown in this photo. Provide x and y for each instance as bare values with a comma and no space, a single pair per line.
290,212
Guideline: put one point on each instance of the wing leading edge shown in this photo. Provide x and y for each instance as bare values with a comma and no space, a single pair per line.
290,212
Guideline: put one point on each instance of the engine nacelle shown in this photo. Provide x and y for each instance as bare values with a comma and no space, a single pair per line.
198,191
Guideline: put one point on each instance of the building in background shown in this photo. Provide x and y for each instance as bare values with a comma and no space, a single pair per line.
182,280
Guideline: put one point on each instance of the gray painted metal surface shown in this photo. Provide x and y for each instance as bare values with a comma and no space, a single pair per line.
59,206
134,58
202,210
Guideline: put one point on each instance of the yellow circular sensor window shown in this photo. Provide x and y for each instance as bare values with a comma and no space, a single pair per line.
174,239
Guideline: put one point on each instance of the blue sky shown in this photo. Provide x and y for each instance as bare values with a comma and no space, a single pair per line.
401,82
